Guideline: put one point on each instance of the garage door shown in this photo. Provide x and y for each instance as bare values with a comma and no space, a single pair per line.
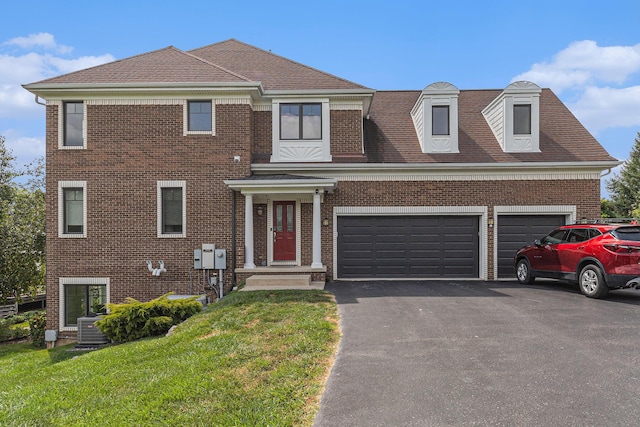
407,247
516,231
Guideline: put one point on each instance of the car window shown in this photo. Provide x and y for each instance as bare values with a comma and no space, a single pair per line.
594,232
578,235
556,236
627,233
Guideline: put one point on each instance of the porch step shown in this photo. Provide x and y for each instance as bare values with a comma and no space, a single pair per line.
263,282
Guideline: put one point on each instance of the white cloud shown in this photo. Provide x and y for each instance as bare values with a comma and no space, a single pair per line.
30,67
40,40
585,63
599,84
604,107
24,149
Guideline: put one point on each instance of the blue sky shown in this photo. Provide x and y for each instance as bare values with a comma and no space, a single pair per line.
589,56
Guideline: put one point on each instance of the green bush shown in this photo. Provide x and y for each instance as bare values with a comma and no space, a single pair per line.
10,332
5,332
37,325
133,319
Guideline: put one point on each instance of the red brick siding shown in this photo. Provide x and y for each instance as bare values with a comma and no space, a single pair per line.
262,132
346,132
129,149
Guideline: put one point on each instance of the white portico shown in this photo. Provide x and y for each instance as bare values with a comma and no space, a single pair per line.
283,196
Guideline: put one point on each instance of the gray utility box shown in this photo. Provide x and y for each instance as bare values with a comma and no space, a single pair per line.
88,332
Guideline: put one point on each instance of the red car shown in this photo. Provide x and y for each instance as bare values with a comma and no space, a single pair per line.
598,257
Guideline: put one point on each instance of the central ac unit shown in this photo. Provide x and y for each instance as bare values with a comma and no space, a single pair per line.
88,332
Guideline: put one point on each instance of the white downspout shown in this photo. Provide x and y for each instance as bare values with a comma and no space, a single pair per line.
317,245
248,231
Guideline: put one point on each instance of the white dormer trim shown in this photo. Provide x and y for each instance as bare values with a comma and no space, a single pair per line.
301,150
436,94
499,116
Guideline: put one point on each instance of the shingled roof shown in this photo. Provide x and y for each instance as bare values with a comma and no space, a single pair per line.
168,65
274,71
229,61
390,136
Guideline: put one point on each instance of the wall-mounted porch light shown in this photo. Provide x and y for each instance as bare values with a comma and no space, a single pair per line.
325,222
260,211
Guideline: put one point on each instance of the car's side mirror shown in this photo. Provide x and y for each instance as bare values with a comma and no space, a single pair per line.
537,242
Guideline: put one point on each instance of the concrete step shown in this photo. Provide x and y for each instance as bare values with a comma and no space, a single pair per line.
261,282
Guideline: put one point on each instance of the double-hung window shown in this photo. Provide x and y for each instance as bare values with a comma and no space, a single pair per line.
301,121
73,124
522,119
200,118
72,209
171,209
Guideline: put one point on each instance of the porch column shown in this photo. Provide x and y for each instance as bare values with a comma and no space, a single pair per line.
248,231
317,246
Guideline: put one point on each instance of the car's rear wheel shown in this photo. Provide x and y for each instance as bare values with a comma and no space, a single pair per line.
523,272
592,283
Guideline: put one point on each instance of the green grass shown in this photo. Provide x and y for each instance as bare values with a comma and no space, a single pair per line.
254,359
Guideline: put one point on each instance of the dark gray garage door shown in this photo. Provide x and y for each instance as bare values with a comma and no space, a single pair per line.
516,231
407,246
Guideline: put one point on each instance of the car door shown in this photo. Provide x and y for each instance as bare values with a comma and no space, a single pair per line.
546,257
572,250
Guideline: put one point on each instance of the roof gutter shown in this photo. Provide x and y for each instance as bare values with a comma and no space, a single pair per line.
53,89
373,168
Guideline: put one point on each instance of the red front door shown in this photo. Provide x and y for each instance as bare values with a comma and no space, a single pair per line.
284,231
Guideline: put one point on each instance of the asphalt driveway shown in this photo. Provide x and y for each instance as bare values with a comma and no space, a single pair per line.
458,353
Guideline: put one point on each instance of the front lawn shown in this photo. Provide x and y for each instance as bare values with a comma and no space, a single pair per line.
254,359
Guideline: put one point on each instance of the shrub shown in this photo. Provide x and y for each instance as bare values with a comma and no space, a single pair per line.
9,332
5,332
133,319
37,325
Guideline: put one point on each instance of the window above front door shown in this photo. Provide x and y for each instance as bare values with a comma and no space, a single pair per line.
301,130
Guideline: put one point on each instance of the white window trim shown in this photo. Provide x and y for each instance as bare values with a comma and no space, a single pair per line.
165,184
63,281
499,117
61,116
301,150
185,118
72,184
436,94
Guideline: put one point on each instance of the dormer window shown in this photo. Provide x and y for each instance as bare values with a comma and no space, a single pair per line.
522,119
514,118
301,130
435,117
440,120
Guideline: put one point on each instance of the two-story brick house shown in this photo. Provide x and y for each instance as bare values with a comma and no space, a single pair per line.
294,171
